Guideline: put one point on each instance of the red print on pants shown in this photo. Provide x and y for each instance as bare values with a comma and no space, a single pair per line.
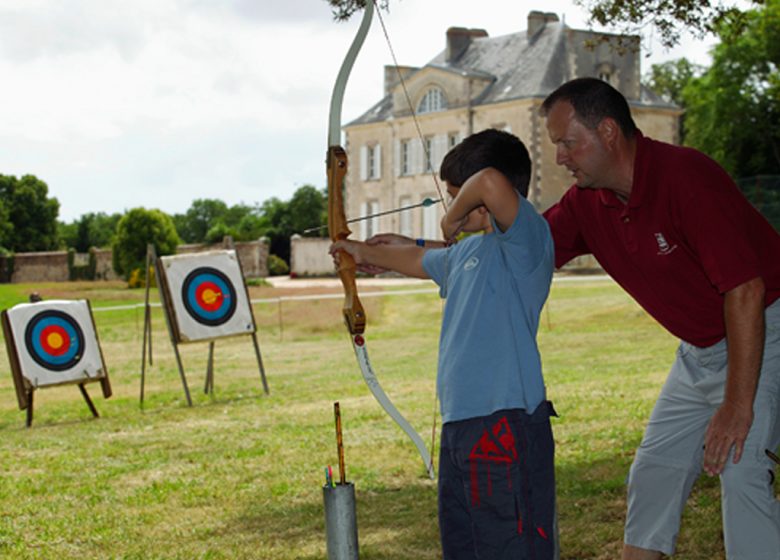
487,451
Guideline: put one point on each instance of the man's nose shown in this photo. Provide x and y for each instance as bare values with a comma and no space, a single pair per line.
561,156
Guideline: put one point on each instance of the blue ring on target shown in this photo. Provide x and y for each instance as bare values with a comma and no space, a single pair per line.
219,286
43,325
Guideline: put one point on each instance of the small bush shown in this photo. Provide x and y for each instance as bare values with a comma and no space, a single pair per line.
138,278
277,266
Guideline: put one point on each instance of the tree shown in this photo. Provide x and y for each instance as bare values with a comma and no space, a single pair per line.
668,17
669,79
94,229
733,110
202,215
308,208
137,228
31,214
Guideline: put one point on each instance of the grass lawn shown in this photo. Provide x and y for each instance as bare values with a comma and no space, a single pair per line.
239,475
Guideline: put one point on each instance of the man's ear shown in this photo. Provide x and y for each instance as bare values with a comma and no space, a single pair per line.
608,130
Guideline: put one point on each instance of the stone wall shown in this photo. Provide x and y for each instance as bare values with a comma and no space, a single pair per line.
309,256
48,266
52,266
253,255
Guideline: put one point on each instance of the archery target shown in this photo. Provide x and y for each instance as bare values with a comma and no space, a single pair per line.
209,297
207,294
56,342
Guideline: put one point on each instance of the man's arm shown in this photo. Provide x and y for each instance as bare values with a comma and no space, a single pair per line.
406,259
744,315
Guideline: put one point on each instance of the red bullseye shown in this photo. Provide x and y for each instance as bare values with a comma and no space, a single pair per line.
55,340
209,296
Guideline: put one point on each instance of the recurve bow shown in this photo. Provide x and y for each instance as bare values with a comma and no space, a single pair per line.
354,315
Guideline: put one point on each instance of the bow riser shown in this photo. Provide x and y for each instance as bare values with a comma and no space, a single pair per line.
354,315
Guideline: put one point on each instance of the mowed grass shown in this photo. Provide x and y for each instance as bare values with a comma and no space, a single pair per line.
239,475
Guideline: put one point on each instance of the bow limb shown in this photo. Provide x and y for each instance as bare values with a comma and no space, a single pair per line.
354,315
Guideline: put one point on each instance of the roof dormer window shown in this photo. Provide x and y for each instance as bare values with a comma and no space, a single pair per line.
432,101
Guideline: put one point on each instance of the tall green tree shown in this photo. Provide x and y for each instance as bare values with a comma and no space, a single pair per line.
94,229
135,230
31,214
202,215
669,79
733,109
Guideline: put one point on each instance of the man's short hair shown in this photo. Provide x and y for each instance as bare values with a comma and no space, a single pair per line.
593,100
489,148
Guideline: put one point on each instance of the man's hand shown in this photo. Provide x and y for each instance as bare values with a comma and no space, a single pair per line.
743,309
729,427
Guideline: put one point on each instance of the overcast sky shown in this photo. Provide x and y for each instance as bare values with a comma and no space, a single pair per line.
155,103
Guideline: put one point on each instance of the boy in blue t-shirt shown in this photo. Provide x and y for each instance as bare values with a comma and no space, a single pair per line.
496,478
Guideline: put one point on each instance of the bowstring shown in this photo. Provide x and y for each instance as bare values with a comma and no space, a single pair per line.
442,198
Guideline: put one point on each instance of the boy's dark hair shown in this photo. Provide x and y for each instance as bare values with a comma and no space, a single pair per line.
489,148
593,100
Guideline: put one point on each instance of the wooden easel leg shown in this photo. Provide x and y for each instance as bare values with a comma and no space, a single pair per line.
89,401
260,363
28,420
209,387
181,373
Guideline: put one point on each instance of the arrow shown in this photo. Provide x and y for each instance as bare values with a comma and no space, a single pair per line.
425,204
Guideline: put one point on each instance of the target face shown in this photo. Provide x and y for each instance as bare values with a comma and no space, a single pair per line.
54,340
209,296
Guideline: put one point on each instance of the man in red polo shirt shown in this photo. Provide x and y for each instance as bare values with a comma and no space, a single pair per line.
670,226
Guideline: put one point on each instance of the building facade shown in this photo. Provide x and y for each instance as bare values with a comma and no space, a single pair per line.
480,82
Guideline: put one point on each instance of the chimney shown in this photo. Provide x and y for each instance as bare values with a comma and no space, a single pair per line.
537,20
459,39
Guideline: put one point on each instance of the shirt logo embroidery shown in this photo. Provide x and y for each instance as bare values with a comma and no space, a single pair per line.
663,246
471,263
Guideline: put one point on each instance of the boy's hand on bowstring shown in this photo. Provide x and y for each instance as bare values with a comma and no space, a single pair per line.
451,228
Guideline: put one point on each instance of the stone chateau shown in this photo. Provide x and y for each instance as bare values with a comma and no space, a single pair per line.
481,82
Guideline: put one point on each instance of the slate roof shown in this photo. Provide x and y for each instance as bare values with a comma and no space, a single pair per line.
520,69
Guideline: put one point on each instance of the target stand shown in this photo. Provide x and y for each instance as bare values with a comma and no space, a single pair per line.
204,297
53,343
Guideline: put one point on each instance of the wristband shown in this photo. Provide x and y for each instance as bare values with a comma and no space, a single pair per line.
420,242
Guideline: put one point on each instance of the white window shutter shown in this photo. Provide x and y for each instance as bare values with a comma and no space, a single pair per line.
397,157
418,158
439,150
377,162
363,225
363,163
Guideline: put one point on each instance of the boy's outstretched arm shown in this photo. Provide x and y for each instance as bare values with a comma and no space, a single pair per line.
488,189
406,259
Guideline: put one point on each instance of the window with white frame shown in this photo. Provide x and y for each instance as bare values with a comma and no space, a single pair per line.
406,158
370,226
431,220
432,101
405,216
370,162
428,154
605,72
453,139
